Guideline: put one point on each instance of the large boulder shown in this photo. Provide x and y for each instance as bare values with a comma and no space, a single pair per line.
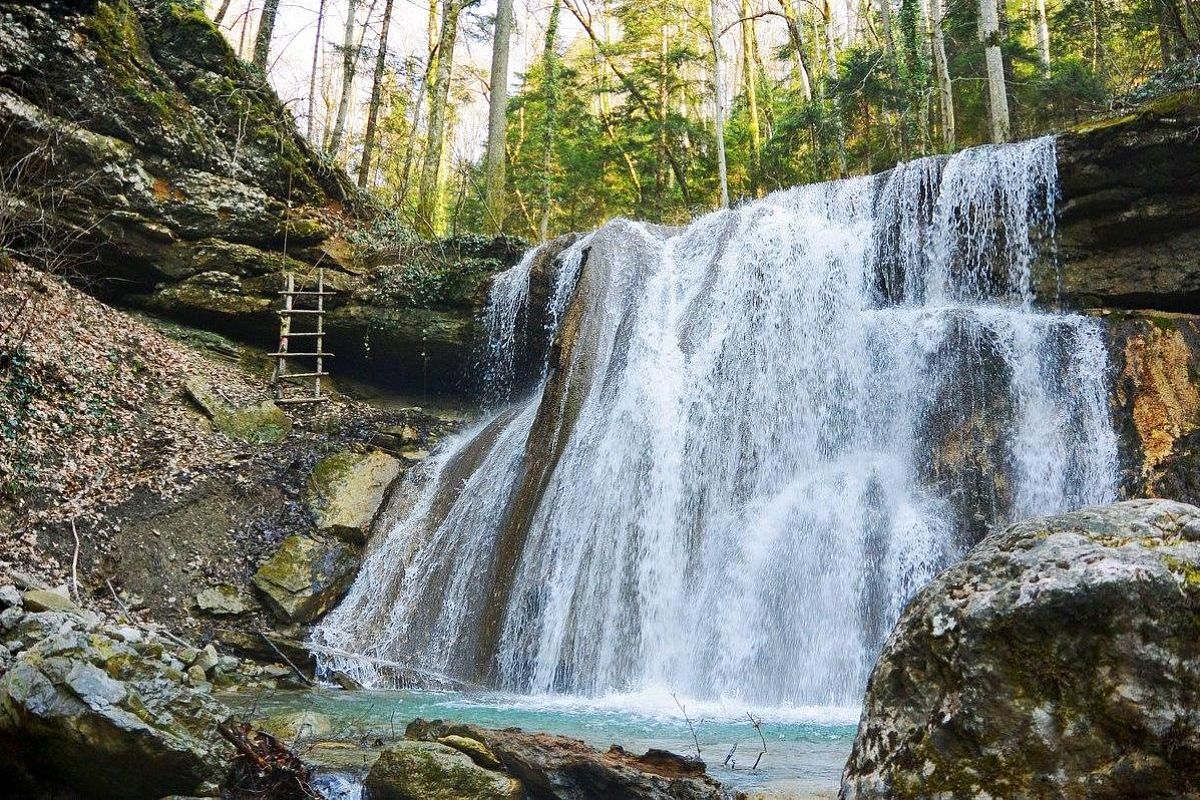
561,768
1060,658
307,576
432,771
346,490
104,711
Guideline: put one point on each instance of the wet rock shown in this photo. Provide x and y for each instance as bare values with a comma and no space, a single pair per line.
561,767
222,600
1156,360
307,576
265,423
87,710
346,490
345,681
475,749
268,645
1130,213
294,725
432,771
1060,658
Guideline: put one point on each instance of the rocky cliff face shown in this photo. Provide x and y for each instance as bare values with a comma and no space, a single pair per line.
142,153
1129,215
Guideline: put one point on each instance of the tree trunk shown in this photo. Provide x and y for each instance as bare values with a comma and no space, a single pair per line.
750,86
428,198
221,12
1043,35
266,26
550,91
494,214
831,73
797,41
364,166
719,102
989,34
942,73
312,76
349,68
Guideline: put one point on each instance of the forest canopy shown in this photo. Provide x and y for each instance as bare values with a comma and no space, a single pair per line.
665,110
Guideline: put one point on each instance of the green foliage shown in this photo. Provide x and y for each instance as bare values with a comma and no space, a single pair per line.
624,127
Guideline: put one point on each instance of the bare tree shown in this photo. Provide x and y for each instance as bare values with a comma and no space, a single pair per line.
221,12
1042,35
312,76
750,86
719,102
941,71
797,41
498,118
364,166
427,198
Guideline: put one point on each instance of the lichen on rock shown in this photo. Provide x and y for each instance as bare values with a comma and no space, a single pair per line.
1060,658
347,489
306,576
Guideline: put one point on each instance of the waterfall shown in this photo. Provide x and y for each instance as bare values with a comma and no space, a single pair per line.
761,434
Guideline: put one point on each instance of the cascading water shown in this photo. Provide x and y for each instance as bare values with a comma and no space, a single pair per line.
762,434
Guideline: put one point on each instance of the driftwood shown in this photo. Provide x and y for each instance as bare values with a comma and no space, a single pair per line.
264,768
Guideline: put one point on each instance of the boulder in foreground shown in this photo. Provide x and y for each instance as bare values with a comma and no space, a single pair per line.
554,767
1060,658
432,771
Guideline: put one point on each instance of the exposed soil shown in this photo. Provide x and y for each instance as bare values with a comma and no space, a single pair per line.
101,441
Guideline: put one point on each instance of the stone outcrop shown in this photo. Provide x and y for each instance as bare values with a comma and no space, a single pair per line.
181,185
1060,658
1156,401
346,490
307,576
104,710
433,771
1129,215
264,423
553,767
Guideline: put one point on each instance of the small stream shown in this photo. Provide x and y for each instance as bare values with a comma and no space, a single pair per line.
806,747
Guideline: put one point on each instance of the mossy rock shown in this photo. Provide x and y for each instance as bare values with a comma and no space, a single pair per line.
265,423
222,600
433,771
1059,658
477,750
347,489
307,576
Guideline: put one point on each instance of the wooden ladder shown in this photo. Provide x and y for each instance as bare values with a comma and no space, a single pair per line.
281,375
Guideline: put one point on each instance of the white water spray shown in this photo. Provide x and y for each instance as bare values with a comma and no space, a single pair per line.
790,416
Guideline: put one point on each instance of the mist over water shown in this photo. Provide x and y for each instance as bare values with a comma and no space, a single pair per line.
786,418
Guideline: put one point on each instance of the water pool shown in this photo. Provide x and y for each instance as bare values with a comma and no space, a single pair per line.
806,747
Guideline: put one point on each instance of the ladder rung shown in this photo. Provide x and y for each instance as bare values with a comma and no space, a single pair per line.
292,400
285,354
289,311
305,375
305,333
309,294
